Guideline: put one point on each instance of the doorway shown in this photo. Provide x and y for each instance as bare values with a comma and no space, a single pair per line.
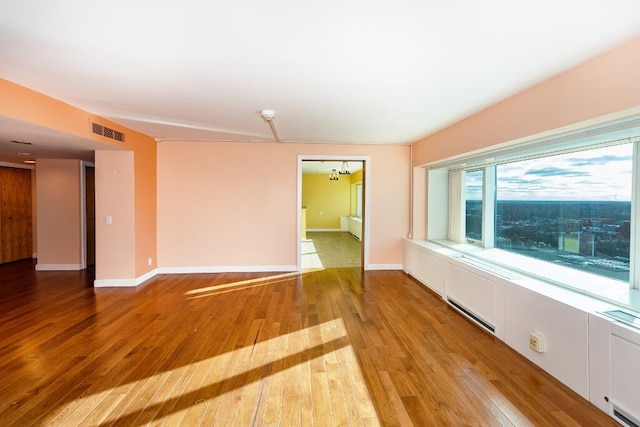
16,229
89,215
332,226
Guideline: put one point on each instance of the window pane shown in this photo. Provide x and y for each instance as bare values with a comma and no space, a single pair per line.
359,200
473,204
570,209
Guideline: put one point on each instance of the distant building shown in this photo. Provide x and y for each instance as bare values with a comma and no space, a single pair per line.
577,243
625,229
503,243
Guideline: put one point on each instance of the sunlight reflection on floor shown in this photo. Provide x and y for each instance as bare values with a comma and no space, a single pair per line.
310,256
252,384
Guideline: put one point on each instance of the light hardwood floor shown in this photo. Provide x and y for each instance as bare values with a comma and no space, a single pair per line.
331,249
332,347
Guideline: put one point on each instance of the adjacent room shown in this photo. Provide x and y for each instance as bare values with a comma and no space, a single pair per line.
348,213
332,214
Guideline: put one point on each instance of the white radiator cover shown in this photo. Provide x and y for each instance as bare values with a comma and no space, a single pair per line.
355,227
426,266
472,289
513,305
625,370
595,355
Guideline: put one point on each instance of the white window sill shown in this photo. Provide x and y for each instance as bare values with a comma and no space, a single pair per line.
540,274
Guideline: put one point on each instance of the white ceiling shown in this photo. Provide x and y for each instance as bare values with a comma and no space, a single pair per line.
334,71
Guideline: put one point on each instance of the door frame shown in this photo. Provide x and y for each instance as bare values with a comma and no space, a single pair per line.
366,174
83,212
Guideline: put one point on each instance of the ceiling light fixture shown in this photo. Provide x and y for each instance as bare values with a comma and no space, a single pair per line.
268,116
21,142
333,176
344,170
31,162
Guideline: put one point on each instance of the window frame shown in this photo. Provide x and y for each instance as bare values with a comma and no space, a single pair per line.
628,132
475,241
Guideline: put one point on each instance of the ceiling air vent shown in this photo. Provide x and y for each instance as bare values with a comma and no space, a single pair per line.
107,132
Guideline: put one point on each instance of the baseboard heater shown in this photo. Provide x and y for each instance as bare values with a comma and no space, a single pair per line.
473,316
624,417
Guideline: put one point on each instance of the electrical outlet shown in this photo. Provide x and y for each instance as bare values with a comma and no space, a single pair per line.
536,342
150,261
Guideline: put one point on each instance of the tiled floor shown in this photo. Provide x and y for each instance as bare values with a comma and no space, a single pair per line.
331,249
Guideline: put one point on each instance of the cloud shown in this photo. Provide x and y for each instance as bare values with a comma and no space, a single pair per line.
602,160
518,181
553,171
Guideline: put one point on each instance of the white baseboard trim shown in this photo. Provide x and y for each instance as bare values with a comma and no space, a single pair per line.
147,276
384,267
228,269
124,283
323,229
115,283
58,267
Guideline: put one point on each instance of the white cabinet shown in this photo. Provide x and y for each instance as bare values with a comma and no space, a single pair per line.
595,355
565,331
625,371
600,361
344,223
355,227
472,290
426,266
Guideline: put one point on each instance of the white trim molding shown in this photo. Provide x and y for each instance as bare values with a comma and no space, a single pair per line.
129,283
115,283
58,267
228,269
373,267
124,283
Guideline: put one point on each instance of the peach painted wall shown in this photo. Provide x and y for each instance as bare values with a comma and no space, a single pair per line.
58,213
236,204
115,243
326,201
607,85
146,217
30,106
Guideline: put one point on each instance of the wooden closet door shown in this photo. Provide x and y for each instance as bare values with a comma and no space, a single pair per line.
15,212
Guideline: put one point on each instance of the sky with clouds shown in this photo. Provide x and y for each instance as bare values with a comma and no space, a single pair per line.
601,174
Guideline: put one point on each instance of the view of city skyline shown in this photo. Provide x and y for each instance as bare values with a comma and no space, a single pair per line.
569,209
591,236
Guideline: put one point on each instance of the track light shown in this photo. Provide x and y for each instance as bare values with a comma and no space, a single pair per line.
333,176
268,116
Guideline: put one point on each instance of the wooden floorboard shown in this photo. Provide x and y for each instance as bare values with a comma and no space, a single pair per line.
333,347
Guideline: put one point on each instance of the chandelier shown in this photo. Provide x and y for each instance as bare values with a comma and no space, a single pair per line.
344,170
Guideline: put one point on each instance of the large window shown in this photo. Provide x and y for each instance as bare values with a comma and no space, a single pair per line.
572,209
548,208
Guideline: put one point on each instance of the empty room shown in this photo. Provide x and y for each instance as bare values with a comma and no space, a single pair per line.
349,213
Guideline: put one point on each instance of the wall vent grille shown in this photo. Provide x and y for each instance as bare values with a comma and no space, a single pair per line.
624,417
98,129
472,316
